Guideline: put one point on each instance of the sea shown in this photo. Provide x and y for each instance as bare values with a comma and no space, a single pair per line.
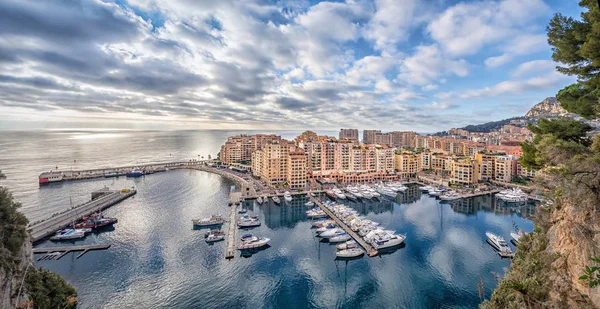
157,259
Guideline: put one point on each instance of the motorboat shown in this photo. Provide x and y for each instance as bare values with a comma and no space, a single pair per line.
68,234
287,196
242,210
214,232
516,236
135,173
321,222
326,227
340,238
350,196
248,221
309,204
513,195
253,242
259,200
497,242
437,191
339,194
387,241
93,221
316,213
331,233
214,238
366,194
350,253
276,199
347,245
213,220
312,194
450,196
331,194
426,188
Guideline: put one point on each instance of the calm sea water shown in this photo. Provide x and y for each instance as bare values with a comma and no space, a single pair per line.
158,261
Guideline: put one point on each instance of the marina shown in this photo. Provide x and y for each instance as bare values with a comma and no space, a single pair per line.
104,199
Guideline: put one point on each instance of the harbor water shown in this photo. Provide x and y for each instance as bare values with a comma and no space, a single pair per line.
157,260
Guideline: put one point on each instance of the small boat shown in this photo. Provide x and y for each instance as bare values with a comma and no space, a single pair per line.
68,234
331,233
242,210
347,245
497,242
350,253
248,221
312,194
287,196
340,238
321,222
253,242
213,220
426,188
309,204
450,196
259,200
215,238
326,227
135,173
276,199
214,232
516,236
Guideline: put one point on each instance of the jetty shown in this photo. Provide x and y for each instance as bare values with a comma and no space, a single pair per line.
100,200
479,193
55,253
231,234
367,247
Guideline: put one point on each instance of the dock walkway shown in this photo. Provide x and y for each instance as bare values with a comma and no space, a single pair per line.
231,231
47,227
55,253
368,248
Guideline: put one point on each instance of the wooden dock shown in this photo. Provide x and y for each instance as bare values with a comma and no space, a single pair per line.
368,248
231,233
55,253
49,226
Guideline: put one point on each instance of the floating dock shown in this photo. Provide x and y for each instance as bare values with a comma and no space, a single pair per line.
231,231
49,226
55,253
368,248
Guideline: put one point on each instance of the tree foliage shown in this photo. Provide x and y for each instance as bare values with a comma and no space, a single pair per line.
12,230
576,44
48,290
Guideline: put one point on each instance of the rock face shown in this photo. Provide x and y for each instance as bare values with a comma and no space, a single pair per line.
550,107
10,280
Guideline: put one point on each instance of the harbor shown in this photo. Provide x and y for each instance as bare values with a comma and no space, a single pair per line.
55,253
101,200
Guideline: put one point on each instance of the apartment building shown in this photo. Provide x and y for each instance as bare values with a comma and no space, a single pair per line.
505,168
409,163
240,147
271,162
296,169
463,172
349,134
369,136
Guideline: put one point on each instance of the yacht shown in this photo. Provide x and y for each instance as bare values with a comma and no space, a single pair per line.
213,220
259,200
326,227
316,213
350,196
450,196
426,188
516,236
321,222
350,253
276,199
339,194
436,191
287,196
253,242
68,234
215,237
367,194
248,221
340,238
512,195
331,233
309,204
347,245
497,242
387,242
331,194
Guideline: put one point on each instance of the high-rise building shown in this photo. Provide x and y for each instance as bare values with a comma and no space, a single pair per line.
506,168
240,147
271,162
463,172
349,134
296,169
369,136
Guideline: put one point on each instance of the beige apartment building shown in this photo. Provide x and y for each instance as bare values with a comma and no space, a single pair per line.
506,168
409,163
296,169
271,162
240,147
485,166
463,172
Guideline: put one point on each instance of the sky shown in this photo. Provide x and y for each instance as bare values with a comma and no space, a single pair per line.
422,65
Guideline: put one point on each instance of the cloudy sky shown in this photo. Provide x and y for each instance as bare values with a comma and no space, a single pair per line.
423,65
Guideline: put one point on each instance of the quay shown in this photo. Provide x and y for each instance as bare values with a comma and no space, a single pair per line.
368,248
103,200
480,193
55,253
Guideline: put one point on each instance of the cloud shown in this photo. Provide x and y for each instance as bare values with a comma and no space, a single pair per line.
546,82
465,28
535,66
427,65
391,22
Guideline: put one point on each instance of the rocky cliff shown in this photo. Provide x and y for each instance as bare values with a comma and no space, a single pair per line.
11,279
550,107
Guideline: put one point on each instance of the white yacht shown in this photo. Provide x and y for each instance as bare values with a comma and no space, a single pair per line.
327,227
450,196
309,204
276,199
215,237
340,238
497,242
68,234
253,242
347,245
287,196
436,191
248,221
331,233
426,188
316,213
321,222
213,220
339,194
259,200
516,236
512,195
350,253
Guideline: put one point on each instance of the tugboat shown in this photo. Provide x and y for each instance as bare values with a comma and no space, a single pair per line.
213,220
94,221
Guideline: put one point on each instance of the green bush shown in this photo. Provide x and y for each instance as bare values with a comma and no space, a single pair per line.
49,290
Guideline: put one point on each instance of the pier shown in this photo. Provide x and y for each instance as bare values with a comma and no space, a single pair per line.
368,248
480,193
231,229
55,253
49,226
